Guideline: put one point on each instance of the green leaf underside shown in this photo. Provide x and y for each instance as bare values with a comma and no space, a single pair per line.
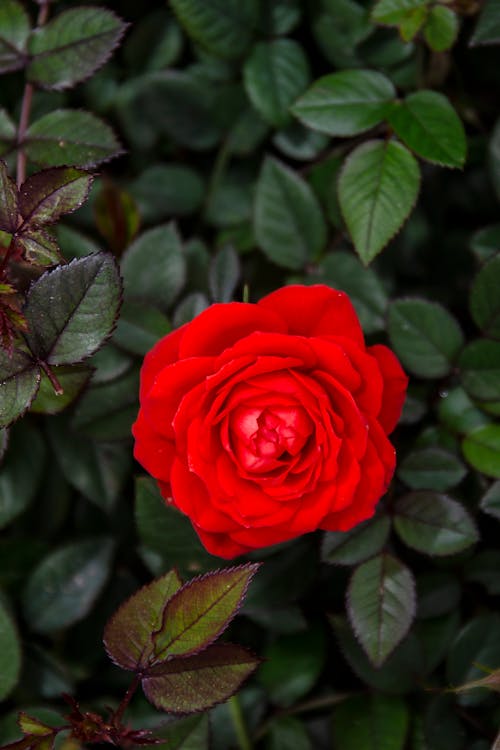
381,605
196,683
63,587
84,302
485,300
10,653
479,366
128,634
481,448
441,28
199,612
431,468
434,524
72,46
14,32
425,337
428,124
378,187
225,27
8,201
289,225
47,195
355,546
69,136
395,12
487,30
19,381
275,74
345,103
377,723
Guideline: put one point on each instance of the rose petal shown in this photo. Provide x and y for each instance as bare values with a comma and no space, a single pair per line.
395,383
191,497
162,354
153,451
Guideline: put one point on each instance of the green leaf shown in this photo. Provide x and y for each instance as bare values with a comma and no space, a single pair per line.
477,644
381,605
226,29
425,337
8,201
431,469
490,502
128,634
339,27
485,300
434,524
306,651
479,366
165,190
84,299
289,225
345,103
107,411
39,247
378,187
481,448
73,380
68,136
224,274
140,327
154,267
8,132
438,593
483,569
441,28
299,142
116,217
14,33
18,487
379,723
196,683
395,12
72,46
275,74
4,441
154,42
200,611
458,413
47,195
412,23
485,243
19,381
355,546
487,30
64,586
427,123
10,652
287,732
279,17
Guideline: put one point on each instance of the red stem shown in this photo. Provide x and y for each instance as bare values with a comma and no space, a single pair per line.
117,716
58,389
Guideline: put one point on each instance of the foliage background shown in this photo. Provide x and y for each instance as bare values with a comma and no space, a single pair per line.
224,191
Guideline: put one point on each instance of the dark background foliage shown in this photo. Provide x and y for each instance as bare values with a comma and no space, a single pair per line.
229,185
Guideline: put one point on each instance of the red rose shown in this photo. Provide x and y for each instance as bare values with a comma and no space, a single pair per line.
265,421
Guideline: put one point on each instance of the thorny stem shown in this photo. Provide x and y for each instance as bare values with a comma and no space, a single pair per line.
118,714
244,741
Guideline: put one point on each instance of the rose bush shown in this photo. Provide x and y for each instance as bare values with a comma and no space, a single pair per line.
262,422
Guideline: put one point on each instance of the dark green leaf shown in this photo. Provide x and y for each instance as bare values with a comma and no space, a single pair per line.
224,274
200,611
339,27
18,487
64,586
490,502
431,469
346,103
429,125
72,379
8,132
107,411
154,43
425,336
434,524
479,366
140,327
395,12
225,29
8,201
83,298
14,33
4,441
477,644
299,142
288,733
435,635
47,195
196,683
481,448
19,380
39,247
381,723
154,267
69,136
188,733
128,636
10,652
487,30
165,190
378,188
289,225
355,546
441,28
483,568
72,46
485,300
443,729
381,605
458,413
275,74
438,593
485,243
109,363
74,244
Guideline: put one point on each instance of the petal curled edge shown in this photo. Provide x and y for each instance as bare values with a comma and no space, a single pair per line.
163,353
395,383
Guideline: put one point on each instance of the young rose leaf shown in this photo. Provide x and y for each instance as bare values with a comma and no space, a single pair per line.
381,605
47,195
487,30
8,132
479,366
196,683
485,300
425,337
381,721
434,524
377,189
19,381
481,448
72,46
14,32
275,74
10,653
128,634
8,201
429,125
225,29
431,469
64,586
200,611
395,12
38,247
73,380
355,546
84,299
289,224
18,487
441,28
68,136
31,725
345,103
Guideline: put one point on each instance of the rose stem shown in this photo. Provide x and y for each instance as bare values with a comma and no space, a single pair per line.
117,716
58,389
239,724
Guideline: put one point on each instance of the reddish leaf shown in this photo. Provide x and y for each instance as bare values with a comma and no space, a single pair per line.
129,633
32,725
199,682
201,610
8,201
39,247
47,195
